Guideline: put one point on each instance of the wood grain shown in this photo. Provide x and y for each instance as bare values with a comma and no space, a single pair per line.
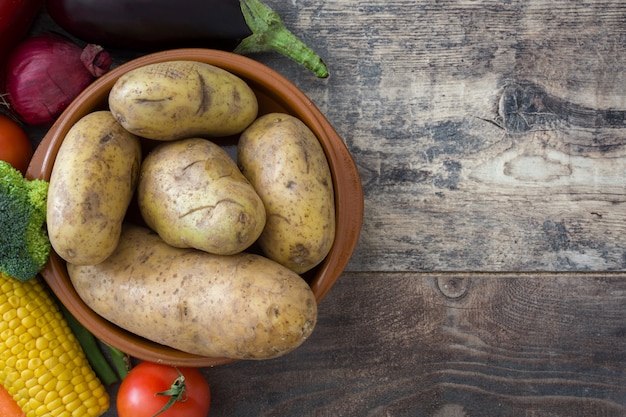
489,135
400,344
490,278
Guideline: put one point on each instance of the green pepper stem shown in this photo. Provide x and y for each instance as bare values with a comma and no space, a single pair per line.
270,34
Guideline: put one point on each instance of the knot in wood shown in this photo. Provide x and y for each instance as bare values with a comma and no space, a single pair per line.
523,107
453,287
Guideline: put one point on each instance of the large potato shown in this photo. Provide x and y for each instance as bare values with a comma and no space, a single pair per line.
193,195
91,185
285,163
241,306
181,99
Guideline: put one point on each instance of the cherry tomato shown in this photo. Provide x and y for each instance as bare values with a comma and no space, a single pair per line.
136,396
15,147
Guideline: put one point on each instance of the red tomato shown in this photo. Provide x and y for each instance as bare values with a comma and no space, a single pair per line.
136,396
15,147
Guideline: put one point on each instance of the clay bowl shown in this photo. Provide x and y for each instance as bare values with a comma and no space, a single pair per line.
275,93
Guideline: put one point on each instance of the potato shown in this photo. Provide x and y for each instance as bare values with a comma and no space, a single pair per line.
91,185
181,99
241,306
285,163
193,195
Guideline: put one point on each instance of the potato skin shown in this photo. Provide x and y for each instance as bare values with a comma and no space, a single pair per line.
181,99
91,185
242,306
193,195
285,163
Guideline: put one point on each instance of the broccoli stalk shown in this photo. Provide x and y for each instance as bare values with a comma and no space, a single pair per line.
24,241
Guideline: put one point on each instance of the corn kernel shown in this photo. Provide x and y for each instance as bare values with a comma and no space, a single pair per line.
94,384
18,350
68,396
28,320
79,387
91,402
26,339
39,356
5,307
19,384
38,394
22,312
19,293
46,354
42,410
6,333
50,396
73,405
84,395
67,392
14,299
11,341
21,365
81,410
53,342
10,361
65,375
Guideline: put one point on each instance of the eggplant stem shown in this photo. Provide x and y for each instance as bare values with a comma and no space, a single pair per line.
270,34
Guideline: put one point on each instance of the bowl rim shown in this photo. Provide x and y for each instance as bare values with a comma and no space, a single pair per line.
348,191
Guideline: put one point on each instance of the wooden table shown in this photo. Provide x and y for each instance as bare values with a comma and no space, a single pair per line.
490,277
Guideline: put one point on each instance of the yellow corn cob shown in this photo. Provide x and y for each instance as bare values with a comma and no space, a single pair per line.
41,363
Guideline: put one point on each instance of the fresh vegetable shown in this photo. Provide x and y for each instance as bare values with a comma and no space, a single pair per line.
120,360
16,17
152,389
45,73
15,146
89,344
182,99
225,218
91,185
42,365
165,24
240,306
8,405
285,163
24,243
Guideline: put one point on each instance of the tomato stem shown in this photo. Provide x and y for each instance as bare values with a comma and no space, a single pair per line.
176,393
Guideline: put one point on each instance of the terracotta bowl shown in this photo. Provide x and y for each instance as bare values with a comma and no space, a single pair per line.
275,93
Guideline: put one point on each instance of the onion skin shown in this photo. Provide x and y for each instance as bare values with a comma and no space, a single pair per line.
45,73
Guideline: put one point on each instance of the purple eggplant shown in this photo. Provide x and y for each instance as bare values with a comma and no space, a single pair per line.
244,26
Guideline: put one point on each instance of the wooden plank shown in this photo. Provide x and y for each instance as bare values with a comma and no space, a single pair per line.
490,138
489,135
447,345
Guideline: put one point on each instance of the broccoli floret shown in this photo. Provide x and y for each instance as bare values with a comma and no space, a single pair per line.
24,241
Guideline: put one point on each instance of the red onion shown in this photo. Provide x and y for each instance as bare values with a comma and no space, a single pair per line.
46,72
